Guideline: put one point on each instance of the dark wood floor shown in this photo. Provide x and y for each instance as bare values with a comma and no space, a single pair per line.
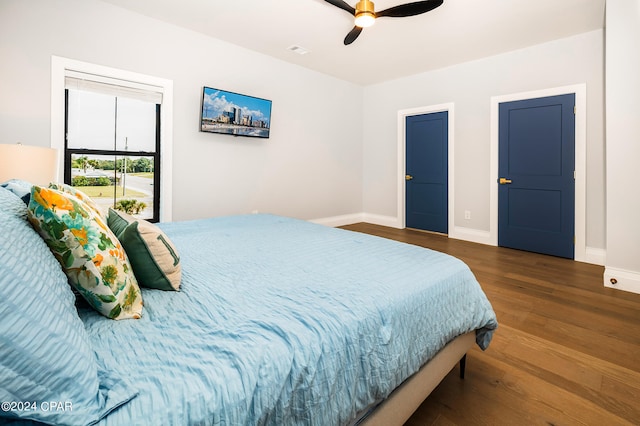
567,350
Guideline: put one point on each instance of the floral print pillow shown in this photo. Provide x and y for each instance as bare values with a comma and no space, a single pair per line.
90,254
63,187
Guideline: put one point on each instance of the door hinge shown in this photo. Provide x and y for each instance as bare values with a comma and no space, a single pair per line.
574,175
574,110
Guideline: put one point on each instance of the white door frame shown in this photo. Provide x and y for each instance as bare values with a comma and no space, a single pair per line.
580,91
402,135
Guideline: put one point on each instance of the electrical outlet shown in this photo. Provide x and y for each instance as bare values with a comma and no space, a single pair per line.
467,215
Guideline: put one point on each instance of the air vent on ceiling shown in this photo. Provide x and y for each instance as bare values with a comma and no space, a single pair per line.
298,49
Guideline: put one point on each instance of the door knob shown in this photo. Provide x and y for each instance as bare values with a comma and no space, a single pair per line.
504,181
408,177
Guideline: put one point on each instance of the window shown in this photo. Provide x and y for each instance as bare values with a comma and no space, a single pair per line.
113,128
112,146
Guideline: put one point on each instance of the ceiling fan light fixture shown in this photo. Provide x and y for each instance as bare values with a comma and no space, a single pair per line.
365,14
365,19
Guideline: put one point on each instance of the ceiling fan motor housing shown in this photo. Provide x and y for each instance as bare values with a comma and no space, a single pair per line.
365,13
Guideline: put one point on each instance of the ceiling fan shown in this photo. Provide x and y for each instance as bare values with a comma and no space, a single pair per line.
366,15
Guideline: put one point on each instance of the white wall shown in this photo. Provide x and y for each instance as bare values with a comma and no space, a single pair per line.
623,144
310,167
470,86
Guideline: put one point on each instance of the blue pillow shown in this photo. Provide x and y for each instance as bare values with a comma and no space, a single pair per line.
21,188
45,352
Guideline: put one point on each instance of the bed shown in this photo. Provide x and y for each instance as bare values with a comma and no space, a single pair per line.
277,321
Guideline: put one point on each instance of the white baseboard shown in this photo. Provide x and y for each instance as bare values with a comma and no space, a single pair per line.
624,280
595,256
381,220
334,221
348,219
473,235
460,233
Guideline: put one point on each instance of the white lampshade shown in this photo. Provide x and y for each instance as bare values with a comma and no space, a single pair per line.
35,164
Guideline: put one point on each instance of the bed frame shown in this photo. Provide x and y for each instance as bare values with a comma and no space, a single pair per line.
407,397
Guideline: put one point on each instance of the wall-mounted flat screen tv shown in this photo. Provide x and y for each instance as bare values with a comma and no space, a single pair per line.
234,114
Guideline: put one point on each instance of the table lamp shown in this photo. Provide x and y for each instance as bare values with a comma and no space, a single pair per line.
34,164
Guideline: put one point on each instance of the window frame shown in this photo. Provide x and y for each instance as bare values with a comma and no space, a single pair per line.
63,67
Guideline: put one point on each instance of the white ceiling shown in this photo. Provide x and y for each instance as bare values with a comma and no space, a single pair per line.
458,31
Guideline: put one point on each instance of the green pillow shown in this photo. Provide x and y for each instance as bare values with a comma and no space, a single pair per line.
117,221
154,258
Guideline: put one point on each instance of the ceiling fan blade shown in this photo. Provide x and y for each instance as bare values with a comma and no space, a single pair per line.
353,35
410,9
342,5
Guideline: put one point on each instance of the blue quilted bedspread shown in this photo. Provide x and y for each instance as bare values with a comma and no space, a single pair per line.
284,322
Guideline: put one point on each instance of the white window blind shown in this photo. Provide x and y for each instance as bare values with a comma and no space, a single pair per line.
111,86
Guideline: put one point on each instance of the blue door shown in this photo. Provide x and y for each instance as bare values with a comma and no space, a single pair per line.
427,203
536,195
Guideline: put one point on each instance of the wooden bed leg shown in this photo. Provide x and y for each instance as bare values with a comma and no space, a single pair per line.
463,364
